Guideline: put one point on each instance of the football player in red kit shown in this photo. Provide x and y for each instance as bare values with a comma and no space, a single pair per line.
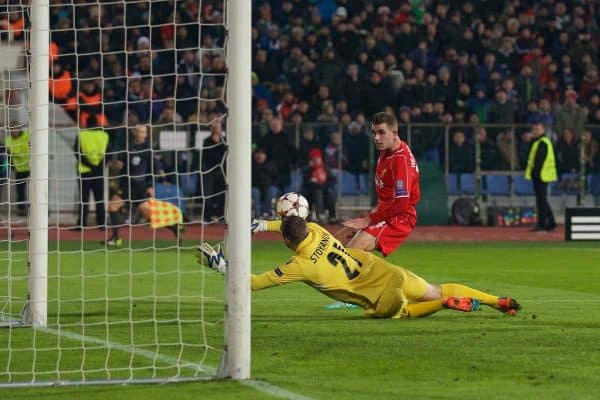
397,186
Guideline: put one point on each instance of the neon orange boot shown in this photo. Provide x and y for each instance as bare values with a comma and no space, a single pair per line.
465,304
508,305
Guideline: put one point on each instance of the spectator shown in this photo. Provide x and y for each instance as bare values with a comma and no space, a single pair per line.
356,149
488,152
479,104
308,142
502,112
260,92
464,71
292,65
328,115
527,86
213,174
352,88
523,147
461,154
135,167
591,148
90,103
545,116
552,92
60,84
281,152
319,187
567,153
571,115
265,70
287,105
329,71
169,116
590,83
333,157
376,96
264,191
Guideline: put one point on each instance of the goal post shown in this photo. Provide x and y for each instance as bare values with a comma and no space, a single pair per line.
95,310
36,311
239,122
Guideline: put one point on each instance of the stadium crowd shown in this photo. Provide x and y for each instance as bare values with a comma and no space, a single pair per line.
486,69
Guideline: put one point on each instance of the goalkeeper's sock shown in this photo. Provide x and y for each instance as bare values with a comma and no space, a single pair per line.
456,290
422,309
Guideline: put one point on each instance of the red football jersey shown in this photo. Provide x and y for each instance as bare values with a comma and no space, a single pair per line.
397,185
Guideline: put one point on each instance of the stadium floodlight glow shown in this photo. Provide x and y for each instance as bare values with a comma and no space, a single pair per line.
76,308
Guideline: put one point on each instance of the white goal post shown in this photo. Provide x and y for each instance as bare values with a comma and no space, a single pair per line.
37,309
240,121
76,311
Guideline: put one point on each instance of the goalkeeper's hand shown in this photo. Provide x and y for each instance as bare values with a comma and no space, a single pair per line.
215,259
258,225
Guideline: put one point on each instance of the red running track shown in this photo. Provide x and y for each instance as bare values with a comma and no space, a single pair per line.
196,232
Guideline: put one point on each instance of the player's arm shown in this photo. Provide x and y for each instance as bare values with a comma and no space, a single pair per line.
291,271
262,225
358,223
402,188
80,156
214,259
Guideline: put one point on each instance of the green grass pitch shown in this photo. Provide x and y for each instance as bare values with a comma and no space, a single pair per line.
550,350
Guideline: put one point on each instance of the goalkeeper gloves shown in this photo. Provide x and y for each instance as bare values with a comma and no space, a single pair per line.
258,225
215,259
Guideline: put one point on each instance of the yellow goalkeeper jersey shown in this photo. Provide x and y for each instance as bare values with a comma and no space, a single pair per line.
321,261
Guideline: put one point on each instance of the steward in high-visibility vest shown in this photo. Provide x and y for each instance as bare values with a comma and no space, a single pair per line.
17,146
92,145
541,163
90,149
541,169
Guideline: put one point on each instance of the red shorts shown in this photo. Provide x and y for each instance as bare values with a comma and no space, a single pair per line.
390,234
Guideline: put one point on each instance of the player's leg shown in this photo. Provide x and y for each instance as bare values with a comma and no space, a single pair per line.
22,179
502,304
385,236
319,202
98,190
144,209
115,206
331,203
363,240
430,298
257,202
85,188
270,198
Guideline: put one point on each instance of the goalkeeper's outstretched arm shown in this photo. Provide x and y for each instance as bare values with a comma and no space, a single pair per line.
214,259
262,225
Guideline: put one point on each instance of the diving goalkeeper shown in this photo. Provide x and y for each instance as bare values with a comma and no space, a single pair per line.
358,277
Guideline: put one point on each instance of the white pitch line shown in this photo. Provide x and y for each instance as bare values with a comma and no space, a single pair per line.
260,386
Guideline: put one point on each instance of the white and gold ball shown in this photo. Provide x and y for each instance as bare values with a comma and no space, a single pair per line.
292,203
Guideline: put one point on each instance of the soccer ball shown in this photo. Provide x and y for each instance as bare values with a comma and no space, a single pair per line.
292,204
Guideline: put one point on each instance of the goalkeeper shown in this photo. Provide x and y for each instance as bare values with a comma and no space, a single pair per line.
358,277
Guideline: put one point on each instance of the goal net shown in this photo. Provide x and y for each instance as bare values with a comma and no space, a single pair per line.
134,168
